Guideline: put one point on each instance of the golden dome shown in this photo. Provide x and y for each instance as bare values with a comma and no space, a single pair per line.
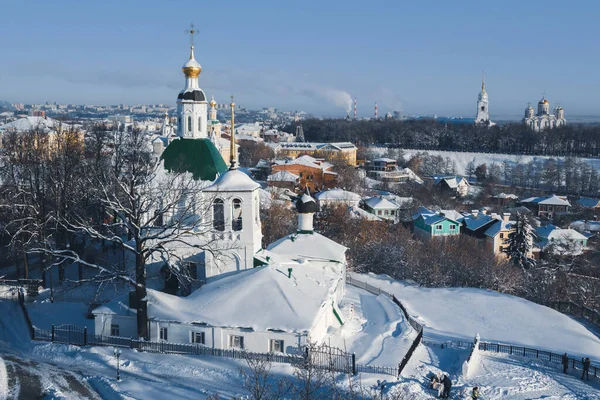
213,103
191,68
544,101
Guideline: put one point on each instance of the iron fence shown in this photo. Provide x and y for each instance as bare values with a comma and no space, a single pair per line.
542,355
568,307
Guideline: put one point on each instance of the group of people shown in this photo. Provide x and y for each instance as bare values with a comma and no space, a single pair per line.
584,361
442,384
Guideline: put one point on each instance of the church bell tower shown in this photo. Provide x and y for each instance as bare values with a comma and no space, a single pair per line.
483,116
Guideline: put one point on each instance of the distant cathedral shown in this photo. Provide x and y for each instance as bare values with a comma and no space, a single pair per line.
543,119
483,115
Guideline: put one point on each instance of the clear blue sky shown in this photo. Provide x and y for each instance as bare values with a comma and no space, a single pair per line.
422,56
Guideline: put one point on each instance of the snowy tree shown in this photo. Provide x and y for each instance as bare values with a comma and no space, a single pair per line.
520,243
470,168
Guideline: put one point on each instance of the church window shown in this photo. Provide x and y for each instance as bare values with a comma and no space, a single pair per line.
197,337
218,215
200,124
189,124
236,342
236,222
163,334
276,346
114,330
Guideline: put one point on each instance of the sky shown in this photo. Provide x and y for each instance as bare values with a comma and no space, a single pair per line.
422,57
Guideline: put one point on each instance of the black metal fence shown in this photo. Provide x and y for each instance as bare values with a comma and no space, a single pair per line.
320,356
577,310
412,322
535,353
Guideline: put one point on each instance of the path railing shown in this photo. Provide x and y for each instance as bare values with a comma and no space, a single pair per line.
412,322
542,355
577,310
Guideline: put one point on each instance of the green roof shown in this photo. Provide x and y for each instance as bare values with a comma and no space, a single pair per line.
200,157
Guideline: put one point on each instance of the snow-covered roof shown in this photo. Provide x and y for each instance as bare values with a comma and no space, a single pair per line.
506,196
411,175
424,211
313,246
548,200
337,194
380,203
473,222
551,232
233,181
26,123
452,181
499,226
307,161
588,202
283,176
357,212
431,217
590,226
384,159
262,298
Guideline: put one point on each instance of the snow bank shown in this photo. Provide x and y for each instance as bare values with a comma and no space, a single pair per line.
460,313
473,359
3,380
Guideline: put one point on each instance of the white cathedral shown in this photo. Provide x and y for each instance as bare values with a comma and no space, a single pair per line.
543,119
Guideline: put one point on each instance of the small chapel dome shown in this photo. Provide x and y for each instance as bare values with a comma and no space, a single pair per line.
213,103
306,204
191,68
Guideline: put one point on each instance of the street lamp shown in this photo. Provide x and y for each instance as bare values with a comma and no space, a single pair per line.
117,353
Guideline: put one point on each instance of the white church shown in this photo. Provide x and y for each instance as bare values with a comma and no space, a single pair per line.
543,119
483,115
260,300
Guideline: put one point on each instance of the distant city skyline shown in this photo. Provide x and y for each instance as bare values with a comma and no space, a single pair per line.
312,56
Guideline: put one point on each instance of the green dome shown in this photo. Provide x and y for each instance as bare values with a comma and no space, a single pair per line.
200,157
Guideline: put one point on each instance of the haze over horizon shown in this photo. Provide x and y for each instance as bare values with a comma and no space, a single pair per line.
312,56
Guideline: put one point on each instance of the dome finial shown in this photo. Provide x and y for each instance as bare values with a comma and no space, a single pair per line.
192,68
232,158
483,82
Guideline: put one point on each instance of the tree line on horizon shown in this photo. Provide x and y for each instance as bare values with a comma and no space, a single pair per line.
578,140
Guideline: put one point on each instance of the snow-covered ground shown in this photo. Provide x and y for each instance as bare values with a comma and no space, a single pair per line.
463,158
374,329
461,313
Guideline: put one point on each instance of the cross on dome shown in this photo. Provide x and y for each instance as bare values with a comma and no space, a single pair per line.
192,31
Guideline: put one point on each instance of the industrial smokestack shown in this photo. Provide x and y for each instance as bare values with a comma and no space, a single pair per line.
355,108
376,113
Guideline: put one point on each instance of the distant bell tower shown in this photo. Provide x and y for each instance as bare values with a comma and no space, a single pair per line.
192,107
483,116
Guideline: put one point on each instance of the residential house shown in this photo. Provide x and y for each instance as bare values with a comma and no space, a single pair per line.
496,235
452,184
506,199
428,224
284,179
477,222
386,170
560,241
341,150
382,208
337,196
315,174
547,206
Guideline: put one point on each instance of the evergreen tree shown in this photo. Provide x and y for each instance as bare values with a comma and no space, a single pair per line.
520,243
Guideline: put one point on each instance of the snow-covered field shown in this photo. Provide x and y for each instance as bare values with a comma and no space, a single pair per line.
375,330
461,313
463,158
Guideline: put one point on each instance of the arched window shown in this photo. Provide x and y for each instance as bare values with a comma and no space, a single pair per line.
199,124
236,221
219,215
189,127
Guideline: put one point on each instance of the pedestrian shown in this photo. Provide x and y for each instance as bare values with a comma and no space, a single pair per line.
586,368
565,362
475,393
447,386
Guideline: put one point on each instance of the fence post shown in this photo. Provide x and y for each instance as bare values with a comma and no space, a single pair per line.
523,351
537,354
510,349
52,335
353,364
85,335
